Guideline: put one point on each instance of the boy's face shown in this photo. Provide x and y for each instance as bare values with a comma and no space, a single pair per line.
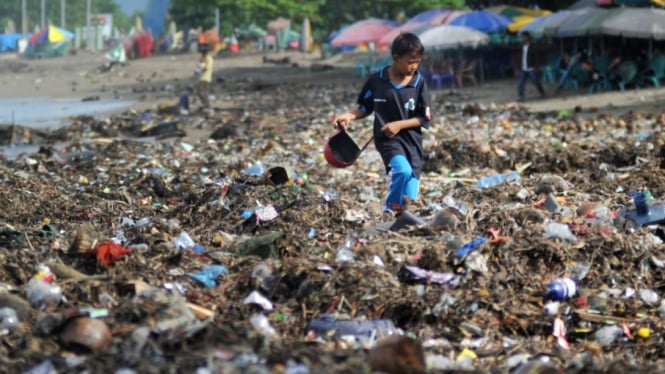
407,64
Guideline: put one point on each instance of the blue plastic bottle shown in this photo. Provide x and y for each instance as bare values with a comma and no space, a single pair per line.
561,289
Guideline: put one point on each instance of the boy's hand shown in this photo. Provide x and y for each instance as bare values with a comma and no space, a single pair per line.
343,121
391,129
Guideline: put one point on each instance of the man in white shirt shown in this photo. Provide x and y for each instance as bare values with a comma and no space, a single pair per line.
527,68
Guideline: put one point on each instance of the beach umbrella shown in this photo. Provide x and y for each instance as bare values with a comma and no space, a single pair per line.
538,26
644,23
436,16
555,20
388,38
279,24
431,17
447,37
584,23
306,36
39,37
361,32
520,22
513,12
482,20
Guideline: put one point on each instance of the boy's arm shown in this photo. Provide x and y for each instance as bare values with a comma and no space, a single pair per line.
422,116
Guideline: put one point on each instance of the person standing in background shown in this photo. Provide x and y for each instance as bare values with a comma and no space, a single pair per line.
205,79
527,68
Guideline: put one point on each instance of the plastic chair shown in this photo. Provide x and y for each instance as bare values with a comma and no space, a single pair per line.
380,64
444,73
601,64
362,68
466,70
627,71
658,68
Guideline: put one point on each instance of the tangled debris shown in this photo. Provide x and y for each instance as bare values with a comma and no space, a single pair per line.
248,253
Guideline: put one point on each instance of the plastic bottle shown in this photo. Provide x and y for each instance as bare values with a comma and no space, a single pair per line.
328,326
8,318
495,180
42,294
561,289
645,214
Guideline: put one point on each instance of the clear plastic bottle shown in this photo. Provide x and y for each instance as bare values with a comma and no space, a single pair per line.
42,295
495,180
8,319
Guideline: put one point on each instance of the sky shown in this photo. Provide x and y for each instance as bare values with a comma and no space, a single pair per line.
131,6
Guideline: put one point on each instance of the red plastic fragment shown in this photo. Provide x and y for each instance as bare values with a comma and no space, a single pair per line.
108,252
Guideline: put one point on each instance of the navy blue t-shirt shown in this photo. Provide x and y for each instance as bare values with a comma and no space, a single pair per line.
390,103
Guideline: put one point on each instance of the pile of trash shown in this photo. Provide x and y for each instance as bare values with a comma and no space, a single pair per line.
534,246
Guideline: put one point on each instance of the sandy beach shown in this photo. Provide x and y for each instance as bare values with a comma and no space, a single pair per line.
148,82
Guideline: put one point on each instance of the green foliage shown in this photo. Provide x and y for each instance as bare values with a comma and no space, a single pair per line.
74,12
325,15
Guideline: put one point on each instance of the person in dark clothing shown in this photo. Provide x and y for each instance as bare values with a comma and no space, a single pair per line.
526,69
399,99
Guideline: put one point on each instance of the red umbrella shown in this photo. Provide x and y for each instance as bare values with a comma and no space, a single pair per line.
387,39
367,31
39,37
435,18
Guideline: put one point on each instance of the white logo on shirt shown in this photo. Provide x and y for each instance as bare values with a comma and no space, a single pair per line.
410,105
379,100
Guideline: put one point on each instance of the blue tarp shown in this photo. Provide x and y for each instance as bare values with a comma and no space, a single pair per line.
9,42
154,19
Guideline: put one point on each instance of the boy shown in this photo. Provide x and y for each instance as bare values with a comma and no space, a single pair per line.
399,98
205,66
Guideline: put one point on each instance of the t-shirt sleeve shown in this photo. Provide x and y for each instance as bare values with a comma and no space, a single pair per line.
366,98
423,110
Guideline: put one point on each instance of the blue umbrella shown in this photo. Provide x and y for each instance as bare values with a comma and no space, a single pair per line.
428,15
334,34
482,20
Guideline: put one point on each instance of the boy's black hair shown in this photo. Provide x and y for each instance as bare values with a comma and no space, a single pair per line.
527,34
405,44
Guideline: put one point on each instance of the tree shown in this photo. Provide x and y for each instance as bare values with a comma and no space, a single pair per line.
543,4
324,15
74,17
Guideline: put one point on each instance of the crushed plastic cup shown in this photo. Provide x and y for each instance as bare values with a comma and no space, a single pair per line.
608,334
184,241
555,230
262,325
649,297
